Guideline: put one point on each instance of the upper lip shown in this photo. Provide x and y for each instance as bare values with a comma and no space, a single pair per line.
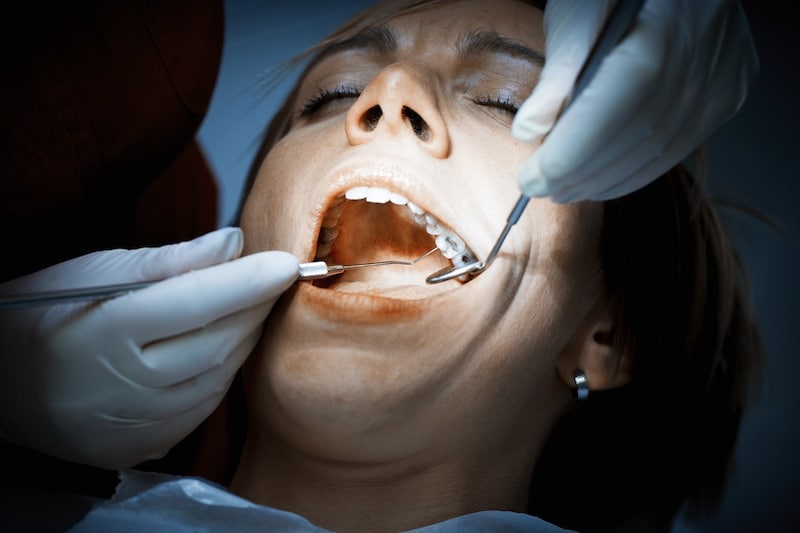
384,174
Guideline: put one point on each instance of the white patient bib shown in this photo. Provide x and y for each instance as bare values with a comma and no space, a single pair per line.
152,503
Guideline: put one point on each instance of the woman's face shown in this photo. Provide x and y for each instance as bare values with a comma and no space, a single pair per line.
419,112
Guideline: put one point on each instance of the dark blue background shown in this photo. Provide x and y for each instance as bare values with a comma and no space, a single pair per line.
753,158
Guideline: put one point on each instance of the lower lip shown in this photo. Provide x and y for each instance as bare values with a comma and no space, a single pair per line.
365,307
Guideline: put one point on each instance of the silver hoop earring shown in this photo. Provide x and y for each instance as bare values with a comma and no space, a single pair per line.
581,386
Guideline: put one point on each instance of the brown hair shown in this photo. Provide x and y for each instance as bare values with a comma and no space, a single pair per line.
629,458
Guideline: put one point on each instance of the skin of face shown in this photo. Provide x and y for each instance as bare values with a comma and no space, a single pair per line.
379,389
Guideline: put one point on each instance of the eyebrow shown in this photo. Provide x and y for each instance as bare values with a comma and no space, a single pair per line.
380,39
376,38
490,42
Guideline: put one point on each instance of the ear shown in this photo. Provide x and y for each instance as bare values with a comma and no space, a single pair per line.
592,350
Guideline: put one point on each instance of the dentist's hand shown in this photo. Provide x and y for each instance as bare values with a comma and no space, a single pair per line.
683,70
118,382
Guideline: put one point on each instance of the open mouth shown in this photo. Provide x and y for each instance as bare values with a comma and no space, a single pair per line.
371,224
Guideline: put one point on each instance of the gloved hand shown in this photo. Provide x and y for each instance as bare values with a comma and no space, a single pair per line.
117,382
684,69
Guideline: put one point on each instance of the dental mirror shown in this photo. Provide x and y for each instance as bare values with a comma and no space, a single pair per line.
476,267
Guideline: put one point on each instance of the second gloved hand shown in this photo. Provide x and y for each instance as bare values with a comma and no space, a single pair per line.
685,68
118,382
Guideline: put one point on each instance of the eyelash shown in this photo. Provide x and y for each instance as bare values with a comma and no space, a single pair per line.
326,96
504,103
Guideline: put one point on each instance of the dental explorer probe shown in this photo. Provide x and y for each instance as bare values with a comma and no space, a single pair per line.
321,269
306,271
616,26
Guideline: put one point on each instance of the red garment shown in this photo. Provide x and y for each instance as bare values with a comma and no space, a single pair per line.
98,110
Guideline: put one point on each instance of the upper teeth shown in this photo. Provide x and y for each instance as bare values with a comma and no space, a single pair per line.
451,245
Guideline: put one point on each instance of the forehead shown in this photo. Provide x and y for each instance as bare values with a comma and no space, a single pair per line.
463,28
446,22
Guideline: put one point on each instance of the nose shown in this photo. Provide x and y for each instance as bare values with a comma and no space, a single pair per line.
398,102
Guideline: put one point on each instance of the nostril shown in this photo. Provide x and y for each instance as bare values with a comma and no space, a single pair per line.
369,121
418,124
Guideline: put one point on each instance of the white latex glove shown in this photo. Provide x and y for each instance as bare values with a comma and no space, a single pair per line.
117,382
683,70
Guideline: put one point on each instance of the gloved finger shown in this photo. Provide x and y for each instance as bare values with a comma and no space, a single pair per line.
172,402
674,154
627,170
143,264
656,166
678,134
571,28
177,359
166,433
594,191
198,298
610,103
641,166
538,113
210,249
729,64
639,171
651,127
634,141
139,440
153,264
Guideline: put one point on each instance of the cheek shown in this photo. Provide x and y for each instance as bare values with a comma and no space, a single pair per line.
284,180
512,384
557,289
490,151
261,212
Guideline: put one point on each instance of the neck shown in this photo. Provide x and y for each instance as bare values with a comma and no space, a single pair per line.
390,496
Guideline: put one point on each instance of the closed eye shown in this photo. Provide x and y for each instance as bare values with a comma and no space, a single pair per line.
326,96
502,103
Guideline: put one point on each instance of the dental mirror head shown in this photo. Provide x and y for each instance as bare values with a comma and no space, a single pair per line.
475,268
449,273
